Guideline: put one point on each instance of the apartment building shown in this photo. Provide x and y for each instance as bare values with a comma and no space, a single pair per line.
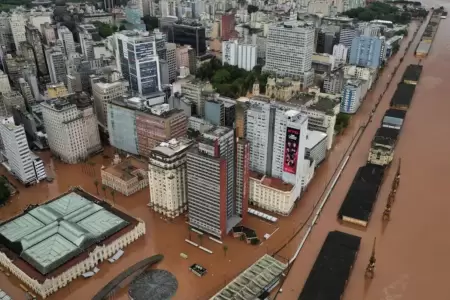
211,183
167,173
71,127
20,161
66,37
126,176
17,21
367,51
238,54
34,38
56,62
351,96
194,91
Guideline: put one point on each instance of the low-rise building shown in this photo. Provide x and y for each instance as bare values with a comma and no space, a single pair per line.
316,146
168,178
127,177
383,145
282,88
352,96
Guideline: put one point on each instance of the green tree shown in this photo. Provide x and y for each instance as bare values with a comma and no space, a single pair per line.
104,190
252,8
96,183
5,193
225,249
115,28
150,22
122,27
105,30
221,76
113,194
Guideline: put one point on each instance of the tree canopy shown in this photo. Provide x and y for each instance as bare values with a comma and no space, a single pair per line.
4,191
231,81
105,30
151,22
379,11
252,8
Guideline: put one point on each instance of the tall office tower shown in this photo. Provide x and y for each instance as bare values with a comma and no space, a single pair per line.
340,53
367,51
237,54
161,43
220,111
242,177
326,40
192,34
211,182
193,90
48,34
347,35
138,61
241,116
66,36
171,58
23,163
168,177
6,36
4,83
228,24
106,89
34,38
289,51
85,32
17,22
56,62
25,90
71,127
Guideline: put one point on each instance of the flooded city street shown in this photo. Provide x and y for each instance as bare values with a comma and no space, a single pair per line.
411,249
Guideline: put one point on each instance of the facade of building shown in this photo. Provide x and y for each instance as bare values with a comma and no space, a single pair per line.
56,63
367,51
316,146
17,21
228,23
4,83
66,37
34,38
138,61
351,96
122,127
126,176
340,53
171,58
167,173
6,36
347,35
242,177
87,247
72,129
211,183
22,163
289,51
194,91
193,35
241,116
237,54
56,90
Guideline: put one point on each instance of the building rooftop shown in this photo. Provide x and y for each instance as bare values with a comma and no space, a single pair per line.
276,183
395,113
386,136
251,283
44,240
127,169
403,95
362,194
172,147
412,73
313,138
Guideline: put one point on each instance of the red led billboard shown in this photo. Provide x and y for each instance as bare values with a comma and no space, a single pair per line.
291,150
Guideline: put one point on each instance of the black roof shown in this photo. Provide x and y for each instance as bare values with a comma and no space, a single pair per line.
412,72
403,95
363,193
386,136
395,113
329,275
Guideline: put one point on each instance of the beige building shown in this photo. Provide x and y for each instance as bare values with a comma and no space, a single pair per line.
52,244
56,90
127,176
383,145
271,194
168,178
282,88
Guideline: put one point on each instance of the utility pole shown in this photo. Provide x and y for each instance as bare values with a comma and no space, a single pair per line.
370,270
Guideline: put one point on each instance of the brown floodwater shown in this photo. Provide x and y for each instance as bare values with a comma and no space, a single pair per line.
410,249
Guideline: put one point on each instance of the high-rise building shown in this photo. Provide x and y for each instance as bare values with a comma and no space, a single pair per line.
211,183
48,33
289,51
138,61
106,89
228,24
17,22
340,53
192,34
34,38
85,34
171,58
13,99
242,177
367,51
326,41
351,96
167,173
194,91
6,36
66,36
71,127
241,116
4,83
22,163
56,63
237,54
346,36
25,90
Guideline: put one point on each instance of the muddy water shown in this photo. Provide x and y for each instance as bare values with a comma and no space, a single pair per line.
167,238
412,249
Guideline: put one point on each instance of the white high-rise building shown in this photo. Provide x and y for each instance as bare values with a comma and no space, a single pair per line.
242,55
168,178
340,53
4,83
17,22
22,163
66,36
72,131
56,62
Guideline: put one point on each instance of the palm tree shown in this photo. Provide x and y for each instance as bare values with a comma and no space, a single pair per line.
104,189
225,249
200,237
113,193
96,183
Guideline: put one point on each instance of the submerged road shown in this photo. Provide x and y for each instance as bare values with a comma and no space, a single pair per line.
412,248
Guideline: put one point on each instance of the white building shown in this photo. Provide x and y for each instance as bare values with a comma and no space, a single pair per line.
72,132
340,53
168,178
316,146
66,36
242,55
4,83
56,62
21,162
351,96
362,73
17,22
